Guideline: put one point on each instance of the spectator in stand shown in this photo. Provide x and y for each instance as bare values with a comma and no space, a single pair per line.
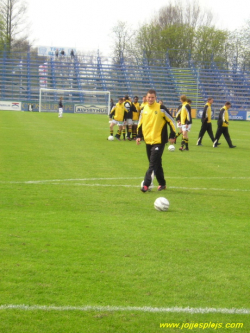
72,54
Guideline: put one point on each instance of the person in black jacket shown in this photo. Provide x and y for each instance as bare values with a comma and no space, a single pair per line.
206,124
131,108
223,123
60,107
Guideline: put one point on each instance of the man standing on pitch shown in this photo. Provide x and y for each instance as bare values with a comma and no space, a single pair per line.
153,128
60,107
206,122
223,122
186,121
131,108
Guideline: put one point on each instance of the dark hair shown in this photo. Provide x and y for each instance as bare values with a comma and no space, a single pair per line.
135,96
151,91
228,103
189,101
126,97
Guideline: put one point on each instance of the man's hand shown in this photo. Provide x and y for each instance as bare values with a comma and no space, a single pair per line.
138,141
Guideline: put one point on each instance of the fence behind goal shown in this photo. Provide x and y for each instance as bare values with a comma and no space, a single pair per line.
74,101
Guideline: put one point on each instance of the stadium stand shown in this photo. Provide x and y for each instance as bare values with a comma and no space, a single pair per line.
22,75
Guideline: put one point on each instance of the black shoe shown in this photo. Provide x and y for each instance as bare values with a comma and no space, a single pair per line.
232,147
218,143
161,187
198,144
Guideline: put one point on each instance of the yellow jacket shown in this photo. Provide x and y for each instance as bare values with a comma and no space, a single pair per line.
153,124
186,114
207,113
119,112
136,114
223,119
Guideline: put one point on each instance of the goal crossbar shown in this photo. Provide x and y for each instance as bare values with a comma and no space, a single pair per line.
80,101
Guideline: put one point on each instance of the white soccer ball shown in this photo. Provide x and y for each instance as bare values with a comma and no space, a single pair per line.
111,138
171,148
161,204
151,186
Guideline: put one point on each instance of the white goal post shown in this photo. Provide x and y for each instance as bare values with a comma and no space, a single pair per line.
75,101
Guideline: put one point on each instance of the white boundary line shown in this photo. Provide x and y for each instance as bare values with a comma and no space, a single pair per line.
169,187
65,182
124,309
116,178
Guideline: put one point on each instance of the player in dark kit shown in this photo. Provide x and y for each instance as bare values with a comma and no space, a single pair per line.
223,122
186,122
153,128
60,107
131,108
206,122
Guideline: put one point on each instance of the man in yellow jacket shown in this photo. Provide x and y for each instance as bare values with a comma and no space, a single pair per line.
223,122
119,114
206,125
152,128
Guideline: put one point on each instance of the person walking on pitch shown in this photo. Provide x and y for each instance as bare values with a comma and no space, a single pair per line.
206,124
223,123
153,128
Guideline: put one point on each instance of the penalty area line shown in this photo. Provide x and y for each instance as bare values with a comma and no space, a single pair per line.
46,181
190,310
168,187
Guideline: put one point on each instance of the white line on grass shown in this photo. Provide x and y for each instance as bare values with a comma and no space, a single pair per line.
117,178
123,309
169,187
65,182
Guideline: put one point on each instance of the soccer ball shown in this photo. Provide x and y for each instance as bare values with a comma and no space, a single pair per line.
151,186
171,148
161,204
111,138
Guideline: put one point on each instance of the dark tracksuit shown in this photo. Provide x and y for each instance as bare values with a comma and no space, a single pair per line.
206,124
223,127
153,128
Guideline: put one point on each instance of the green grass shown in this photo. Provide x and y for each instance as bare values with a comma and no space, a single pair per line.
65,241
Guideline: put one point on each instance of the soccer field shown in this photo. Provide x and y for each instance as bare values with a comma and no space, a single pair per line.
84,250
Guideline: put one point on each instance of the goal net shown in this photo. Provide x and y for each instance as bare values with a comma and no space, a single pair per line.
74,101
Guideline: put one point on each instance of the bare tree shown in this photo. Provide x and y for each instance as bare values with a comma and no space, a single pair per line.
123,37
179,13
14,22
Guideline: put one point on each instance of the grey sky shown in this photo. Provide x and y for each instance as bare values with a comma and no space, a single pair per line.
87,25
